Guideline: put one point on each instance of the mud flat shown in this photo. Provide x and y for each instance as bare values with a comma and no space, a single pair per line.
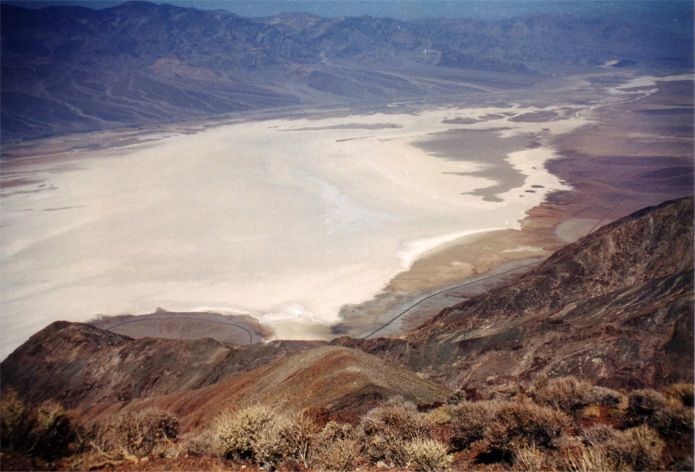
298,221
285,220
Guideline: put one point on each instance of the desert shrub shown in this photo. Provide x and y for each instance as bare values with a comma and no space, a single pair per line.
44,432
599,434
139,432
52,432
566,394
16,423
522,424
438,416
234,434
591,411
388,428
530,459
286,437
201,444
666,415
426,455
606,397
642,405
588,460
634,449
265,437
335,448
505,426
469,422
682,392
458,396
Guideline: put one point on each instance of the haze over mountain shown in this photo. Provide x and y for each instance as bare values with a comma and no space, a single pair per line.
68,69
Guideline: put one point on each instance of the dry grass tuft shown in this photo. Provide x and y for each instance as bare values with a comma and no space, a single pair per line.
16,422
588,460
530,459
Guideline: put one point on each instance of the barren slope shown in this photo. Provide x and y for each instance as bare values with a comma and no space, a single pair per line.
328,379
615,307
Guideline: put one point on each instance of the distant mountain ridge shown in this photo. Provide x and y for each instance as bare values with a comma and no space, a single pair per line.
67,69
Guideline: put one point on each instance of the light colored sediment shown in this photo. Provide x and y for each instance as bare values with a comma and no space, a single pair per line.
285,219
291,226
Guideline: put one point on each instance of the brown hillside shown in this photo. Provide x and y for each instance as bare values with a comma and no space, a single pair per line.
615,307
332,379
80,364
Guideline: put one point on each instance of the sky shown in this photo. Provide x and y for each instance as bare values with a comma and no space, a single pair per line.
407,9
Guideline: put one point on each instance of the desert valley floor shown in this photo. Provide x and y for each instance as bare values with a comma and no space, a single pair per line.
329,221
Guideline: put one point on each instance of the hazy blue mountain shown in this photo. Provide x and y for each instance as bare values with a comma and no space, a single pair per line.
68,68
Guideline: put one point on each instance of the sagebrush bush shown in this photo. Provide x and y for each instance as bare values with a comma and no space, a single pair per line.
505,426
139,432
335,448
682,392
634,449
52,433
16,423
427,455
234,434
44,432
262,435
606,397
286,437
469,422
666,415
521,424
388,428
566,394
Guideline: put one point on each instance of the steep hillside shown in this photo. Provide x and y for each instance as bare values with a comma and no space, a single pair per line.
68,69
332,379
77,363
615,307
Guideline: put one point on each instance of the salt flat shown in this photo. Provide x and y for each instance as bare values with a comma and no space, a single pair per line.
285,219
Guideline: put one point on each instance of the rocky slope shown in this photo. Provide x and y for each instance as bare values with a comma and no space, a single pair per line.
68,69
330,380
78,364
615,307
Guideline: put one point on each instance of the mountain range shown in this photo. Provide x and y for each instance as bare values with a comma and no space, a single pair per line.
72,69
